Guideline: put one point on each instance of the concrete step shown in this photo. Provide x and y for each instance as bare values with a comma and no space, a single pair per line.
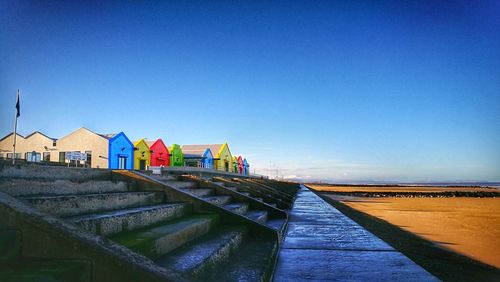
10,244
253,262
276,223
162,239
203,256
273,205
45,270
109,223
239,208
71,205
181,184
258,199
245,193
26,187
200,192
259,216
164,177
219,200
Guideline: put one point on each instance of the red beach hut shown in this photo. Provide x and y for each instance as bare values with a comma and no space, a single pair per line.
240,165
160,156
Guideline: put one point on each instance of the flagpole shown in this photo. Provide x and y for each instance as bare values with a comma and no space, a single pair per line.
15,132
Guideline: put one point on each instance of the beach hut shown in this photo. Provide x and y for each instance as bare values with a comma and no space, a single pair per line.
120,152
208,159
235,164
198,156
160,156
176,155
142,155
246,167
240,165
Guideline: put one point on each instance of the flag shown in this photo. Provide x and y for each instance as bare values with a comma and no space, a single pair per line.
18,106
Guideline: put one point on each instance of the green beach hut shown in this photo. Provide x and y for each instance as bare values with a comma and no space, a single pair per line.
176,155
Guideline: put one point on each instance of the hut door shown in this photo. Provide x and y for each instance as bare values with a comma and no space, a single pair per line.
226,165
122,162
142,165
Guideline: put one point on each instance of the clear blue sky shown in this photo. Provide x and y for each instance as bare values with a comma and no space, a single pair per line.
350,90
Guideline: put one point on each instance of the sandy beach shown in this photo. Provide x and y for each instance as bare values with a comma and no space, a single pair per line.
470,226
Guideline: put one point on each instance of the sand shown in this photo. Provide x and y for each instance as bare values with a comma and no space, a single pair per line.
469,226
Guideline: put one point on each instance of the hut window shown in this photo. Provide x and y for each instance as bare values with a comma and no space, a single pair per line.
46,156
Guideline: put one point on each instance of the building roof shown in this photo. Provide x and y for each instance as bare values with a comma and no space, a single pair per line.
141,140
35,132
171,148
27,136
12,133
108,135
195,149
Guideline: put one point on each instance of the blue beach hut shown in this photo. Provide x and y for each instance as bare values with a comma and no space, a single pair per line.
246,167
208,159
120,152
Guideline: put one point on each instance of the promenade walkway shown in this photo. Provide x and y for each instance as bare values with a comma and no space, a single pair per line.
322,244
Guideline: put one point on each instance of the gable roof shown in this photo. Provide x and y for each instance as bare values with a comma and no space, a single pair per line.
35,132
208,152
12,133
157,141
141,141
171,148
115,136
79,129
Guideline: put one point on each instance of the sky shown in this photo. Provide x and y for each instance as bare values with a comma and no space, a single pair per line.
342,90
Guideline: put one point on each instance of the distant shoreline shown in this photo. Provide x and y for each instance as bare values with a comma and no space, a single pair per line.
400,191
492,185
445,194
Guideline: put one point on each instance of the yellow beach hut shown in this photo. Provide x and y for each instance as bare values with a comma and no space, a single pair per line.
142,155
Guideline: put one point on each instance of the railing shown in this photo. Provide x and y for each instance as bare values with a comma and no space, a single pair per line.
200,171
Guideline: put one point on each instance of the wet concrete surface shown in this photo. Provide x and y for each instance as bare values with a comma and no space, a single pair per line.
322,244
